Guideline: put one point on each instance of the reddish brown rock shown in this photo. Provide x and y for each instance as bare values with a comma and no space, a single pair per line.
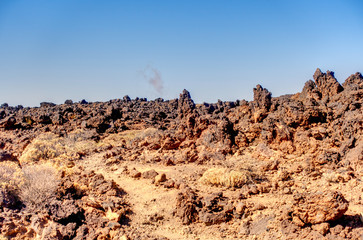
186,207
287,142
160,178
318,207
134,173
354,81
262,97
326,83
185,104
321,228
150,174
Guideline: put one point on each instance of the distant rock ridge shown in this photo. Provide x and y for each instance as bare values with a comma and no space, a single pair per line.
274,120
287,167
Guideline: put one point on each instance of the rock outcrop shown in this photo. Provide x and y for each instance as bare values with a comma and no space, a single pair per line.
326,83
87,206
287,146
318,207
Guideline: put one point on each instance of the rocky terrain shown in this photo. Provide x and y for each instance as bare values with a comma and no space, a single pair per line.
288,167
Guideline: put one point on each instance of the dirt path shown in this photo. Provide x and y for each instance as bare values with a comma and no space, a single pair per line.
152,205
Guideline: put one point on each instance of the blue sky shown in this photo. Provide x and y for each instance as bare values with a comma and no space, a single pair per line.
100,50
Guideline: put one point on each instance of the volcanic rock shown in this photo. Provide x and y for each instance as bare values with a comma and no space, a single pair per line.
6,156
296,143
326,83
262,97
318,207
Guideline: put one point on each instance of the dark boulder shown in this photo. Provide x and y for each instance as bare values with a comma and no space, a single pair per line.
6,156
47,104
68,102
8,123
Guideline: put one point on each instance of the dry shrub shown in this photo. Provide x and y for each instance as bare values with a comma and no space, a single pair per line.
35,185
129,137
119,139
39,185
9,181
148,132
226,177
9,173
50,146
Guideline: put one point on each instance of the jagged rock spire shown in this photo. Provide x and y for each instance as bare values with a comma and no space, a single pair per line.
185,103
326,83
354,81
262,97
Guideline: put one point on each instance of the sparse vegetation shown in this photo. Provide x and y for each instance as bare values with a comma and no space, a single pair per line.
149,132
50,146
9,180
163,164
226,177
8,173
34,185
38,186
130,136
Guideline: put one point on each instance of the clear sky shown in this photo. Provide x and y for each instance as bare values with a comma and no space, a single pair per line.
53,50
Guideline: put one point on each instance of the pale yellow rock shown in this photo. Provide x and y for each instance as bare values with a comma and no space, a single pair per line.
124,237
113,216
